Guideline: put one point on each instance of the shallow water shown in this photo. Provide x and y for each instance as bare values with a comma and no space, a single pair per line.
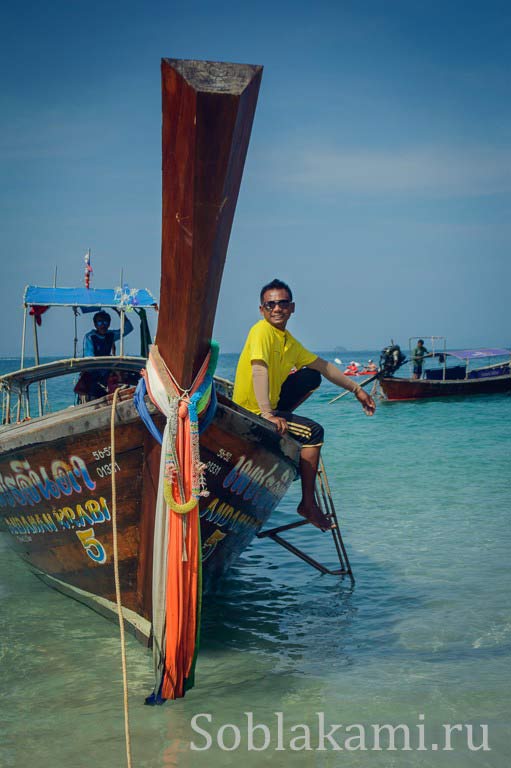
423,494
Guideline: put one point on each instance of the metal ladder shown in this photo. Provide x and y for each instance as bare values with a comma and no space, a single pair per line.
326,504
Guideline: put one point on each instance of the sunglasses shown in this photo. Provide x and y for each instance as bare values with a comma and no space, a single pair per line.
283,303
103,322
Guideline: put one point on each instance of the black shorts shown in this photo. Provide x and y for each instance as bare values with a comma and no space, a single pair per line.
296,388
308,432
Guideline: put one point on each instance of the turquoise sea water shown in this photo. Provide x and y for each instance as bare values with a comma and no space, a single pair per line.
423,637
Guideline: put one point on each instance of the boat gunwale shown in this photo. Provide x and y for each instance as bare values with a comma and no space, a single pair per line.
430,389
66,367
125,412
446,382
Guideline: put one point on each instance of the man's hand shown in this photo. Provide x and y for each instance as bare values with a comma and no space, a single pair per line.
279,422
366,401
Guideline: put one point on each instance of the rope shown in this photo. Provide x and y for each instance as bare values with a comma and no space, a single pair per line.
117,582
180,406
143,412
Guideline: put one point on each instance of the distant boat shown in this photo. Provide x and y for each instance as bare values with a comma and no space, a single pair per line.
459,373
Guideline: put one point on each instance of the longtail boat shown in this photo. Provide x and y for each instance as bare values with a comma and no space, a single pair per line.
446,373
56,468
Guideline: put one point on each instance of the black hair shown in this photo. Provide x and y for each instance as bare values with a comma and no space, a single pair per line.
421,341
101,315
276,284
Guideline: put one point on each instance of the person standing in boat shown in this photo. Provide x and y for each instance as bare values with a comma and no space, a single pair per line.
275,374
419,353
100,342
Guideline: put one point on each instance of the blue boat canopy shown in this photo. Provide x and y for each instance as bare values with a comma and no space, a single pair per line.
88,297
474,354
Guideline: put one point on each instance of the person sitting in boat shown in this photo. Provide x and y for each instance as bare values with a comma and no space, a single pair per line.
265,386
419,353
99,342
371,367
351,369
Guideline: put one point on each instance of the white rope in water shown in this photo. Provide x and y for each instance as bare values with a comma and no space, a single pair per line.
117,583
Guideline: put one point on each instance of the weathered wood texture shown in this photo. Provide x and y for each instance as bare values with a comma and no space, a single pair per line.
208,110
58,521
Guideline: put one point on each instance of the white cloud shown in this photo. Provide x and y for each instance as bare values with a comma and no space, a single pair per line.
433,171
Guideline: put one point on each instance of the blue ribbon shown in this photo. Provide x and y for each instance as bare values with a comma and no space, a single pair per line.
138,399
141,391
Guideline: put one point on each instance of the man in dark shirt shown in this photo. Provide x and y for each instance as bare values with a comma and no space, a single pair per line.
419,353
101,340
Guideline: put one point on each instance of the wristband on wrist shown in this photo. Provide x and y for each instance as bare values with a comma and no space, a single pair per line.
356,389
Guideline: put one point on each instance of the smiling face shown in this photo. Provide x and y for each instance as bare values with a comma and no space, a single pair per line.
277,307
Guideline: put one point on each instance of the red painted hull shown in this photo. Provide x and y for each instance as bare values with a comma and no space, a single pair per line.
420,389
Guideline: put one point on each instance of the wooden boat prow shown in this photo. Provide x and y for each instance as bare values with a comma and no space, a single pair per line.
204,154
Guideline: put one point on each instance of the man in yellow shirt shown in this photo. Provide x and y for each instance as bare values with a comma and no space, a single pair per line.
276,373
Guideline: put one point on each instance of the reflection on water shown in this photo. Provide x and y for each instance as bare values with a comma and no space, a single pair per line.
253,612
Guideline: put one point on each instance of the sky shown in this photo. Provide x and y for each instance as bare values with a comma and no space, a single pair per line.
377,182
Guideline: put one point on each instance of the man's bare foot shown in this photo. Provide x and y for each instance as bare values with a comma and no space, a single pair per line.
315,516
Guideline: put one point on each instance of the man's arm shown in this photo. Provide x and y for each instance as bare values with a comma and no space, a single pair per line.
128,327
333,374
261,383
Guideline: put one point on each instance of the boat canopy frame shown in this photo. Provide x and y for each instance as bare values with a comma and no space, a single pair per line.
123,299
17,383
37,299
478,354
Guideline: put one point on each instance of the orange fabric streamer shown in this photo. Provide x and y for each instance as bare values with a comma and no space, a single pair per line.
182,577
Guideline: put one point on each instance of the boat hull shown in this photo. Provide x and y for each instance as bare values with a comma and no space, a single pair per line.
419,389
56,496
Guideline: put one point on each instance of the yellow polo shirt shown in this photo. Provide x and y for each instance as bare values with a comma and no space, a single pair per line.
280,351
